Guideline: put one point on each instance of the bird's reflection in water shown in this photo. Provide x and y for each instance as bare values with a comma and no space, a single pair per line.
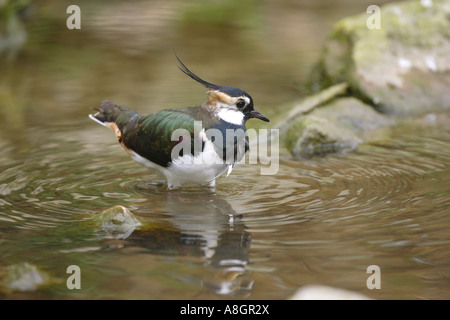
197,222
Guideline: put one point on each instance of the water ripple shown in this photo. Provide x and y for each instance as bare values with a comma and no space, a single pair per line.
374,179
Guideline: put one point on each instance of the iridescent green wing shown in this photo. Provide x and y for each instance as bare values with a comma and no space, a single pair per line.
151,135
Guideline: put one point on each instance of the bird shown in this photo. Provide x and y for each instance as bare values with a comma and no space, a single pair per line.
190,145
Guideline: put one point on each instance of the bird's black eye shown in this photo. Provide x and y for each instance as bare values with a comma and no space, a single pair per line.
240,104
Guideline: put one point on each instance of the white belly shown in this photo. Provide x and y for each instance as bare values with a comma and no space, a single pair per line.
201,169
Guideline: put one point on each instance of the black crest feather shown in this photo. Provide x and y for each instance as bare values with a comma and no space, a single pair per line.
232,91
192,75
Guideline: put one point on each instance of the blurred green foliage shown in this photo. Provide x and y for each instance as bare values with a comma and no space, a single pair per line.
220,13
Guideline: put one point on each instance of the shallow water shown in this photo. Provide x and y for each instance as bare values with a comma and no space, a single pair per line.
317,221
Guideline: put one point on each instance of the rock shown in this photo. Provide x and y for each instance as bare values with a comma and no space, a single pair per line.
116,222
338,126
309,103
320,292
314,136
12,31
403,68
23,277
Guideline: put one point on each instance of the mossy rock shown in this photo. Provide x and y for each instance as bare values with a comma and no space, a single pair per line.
337,127
403,68
314,136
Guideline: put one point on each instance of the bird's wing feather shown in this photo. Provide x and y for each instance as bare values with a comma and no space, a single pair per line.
151,135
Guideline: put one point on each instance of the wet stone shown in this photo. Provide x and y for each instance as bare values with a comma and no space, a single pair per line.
23,277
336,127
116,222
402,67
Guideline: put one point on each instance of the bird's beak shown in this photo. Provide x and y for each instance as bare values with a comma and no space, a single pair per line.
259,115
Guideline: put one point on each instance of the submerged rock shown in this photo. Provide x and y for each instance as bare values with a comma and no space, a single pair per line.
338,126
116,222
23,277
402,68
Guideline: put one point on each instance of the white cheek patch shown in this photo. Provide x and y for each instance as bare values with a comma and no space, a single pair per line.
231,116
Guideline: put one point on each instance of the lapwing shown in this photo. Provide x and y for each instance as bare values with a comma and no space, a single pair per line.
191,145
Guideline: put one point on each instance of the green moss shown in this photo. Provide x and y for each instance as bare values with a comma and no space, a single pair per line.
316,136
337,126
368,60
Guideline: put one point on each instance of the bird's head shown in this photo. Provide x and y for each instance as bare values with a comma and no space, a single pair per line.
234,105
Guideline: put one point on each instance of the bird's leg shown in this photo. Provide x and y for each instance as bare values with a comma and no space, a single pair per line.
212,185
